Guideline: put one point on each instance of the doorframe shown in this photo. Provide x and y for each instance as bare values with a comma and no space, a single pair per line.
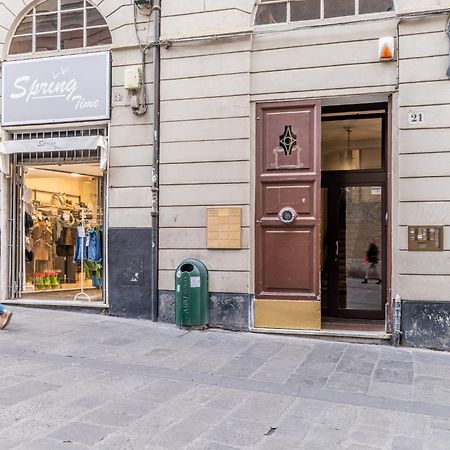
387,106
382,177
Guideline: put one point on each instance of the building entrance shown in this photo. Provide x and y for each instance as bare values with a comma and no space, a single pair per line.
321,222
57,230
353,227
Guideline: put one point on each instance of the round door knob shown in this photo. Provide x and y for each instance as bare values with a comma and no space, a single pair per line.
287,215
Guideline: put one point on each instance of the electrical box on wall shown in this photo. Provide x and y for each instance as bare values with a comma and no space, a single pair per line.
132,78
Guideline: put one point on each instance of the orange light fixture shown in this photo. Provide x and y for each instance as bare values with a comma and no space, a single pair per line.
386,49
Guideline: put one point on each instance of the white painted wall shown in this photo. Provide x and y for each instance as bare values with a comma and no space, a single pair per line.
130,135
424,155
210,87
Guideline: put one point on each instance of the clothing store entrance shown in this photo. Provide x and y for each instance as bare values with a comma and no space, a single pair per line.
57,233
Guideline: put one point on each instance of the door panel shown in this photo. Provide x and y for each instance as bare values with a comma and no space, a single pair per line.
288,271
288,176
289,137
298,197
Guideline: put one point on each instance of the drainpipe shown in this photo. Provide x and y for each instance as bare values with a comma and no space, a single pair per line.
156,53
397,325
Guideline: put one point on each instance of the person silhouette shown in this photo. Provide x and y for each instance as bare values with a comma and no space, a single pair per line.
372,260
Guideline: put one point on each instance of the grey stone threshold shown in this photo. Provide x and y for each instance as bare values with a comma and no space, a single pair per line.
345,335
56,303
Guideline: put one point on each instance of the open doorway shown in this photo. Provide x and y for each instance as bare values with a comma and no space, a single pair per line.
60,218
354,207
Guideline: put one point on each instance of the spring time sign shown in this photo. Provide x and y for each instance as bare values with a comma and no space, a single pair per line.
58,89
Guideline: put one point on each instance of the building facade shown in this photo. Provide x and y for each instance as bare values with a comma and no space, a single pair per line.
302,157
77,151
290,107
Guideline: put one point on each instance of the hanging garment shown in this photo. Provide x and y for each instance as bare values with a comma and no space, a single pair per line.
29,254
29,223
95,272
42,238
66,240
80,249
94,252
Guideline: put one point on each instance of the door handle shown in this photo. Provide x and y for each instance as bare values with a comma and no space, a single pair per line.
337,248
258,220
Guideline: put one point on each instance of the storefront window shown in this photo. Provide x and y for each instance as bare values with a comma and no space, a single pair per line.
47,26
282,11
60,260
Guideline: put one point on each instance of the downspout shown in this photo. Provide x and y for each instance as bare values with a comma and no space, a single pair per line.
156,53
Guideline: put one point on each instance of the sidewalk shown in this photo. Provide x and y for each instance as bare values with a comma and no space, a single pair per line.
76,381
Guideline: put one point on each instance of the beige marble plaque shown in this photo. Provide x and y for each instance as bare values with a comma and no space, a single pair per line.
224,228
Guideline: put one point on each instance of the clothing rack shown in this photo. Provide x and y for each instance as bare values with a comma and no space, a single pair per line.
55,193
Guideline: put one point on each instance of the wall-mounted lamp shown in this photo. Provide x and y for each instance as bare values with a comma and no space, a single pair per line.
386,49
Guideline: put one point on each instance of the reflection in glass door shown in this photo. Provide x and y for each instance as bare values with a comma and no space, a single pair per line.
359,248
354,199
353,251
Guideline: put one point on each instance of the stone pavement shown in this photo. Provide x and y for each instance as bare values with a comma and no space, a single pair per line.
76,381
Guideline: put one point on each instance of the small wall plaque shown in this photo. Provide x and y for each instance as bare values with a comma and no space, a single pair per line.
426,238
224,228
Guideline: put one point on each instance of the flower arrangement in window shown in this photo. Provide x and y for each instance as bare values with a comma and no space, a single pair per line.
46,280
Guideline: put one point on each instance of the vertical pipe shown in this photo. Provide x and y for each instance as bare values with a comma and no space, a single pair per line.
397,325
156,150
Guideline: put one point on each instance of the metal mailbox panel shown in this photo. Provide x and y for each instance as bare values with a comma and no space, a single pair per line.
426,238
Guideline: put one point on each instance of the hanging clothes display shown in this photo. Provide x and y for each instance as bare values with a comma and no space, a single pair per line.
89,249
52,249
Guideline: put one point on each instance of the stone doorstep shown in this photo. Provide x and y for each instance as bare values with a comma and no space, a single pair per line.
365,337
56,303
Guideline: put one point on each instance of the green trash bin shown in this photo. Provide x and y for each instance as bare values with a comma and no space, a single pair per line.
191,294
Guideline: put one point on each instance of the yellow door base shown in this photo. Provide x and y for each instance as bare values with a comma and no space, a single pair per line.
288,314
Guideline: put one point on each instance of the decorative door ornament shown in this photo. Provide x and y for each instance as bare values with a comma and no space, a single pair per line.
287,154
288,140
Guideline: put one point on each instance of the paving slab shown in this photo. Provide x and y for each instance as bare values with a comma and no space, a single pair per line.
97,382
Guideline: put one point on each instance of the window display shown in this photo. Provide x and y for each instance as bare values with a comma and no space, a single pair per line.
63,233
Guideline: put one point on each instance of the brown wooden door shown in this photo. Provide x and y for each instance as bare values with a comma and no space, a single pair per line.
288,177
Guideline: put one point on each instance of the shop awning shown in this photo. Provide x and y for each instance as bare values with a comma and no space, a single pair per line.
53,146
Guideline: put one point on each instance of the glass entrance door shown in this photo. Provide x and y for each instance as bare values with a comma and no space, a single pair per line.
355,250
353,217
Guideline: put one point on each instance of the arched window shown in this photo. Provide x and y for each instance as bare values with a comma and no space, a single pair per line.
60,25
282,11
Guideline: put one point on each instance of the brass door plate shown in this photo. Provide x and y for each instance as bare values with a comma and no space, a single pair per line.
224,228
426,238
288,314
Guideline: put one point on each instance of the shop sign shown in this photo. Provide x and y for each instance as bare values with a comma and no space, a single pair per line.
55,90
